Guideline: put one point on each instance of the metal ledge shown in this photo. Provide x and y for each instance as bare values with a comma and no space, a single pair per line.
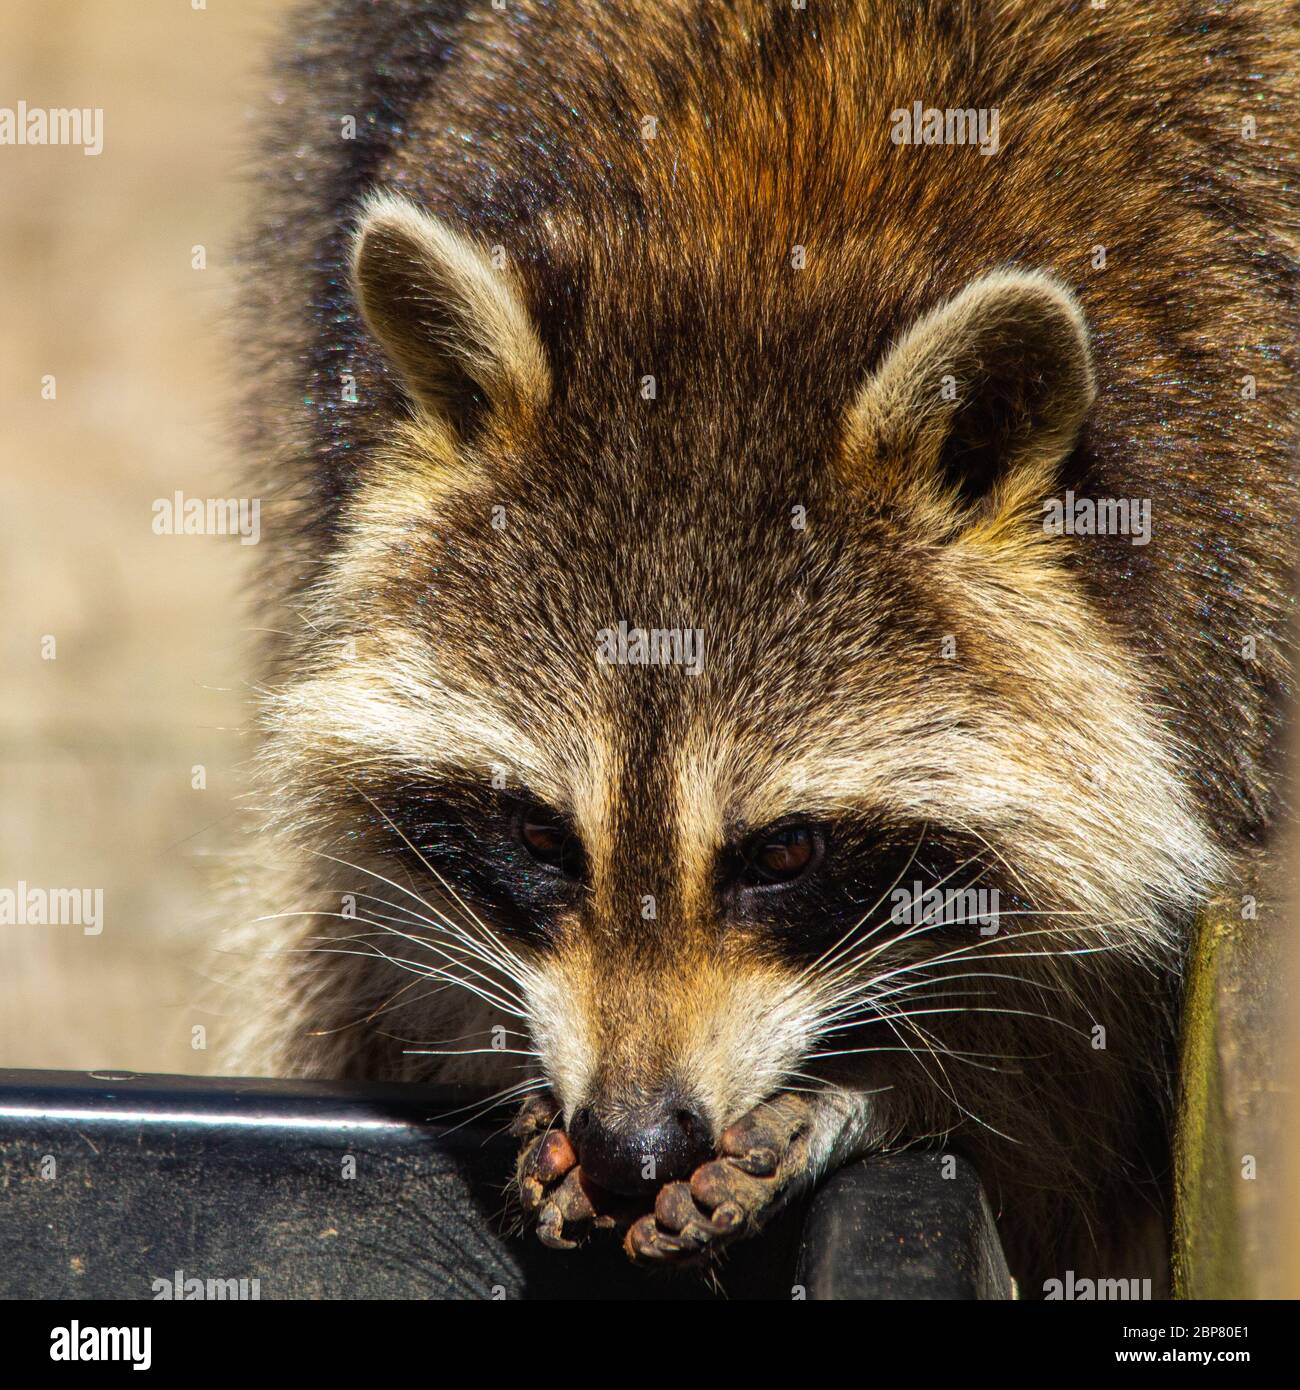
112,1184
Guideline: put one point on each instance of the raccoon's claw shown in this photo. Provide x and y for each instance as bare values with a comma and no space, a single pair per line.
764,1156
537,1114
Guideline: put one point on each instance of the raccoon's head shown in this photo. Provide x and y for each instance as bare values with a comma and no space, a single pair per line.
685,636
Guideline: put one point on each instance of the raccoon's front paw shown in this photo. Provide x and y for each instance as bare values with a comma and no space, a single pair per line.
552,1190
764,1162
547,1177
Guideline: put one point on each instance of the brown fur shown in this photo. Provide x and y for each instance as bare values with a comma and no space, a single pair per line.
1104,733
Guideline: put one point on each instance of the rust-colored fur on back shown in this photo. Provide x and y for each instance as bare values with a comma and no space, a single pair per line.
649,320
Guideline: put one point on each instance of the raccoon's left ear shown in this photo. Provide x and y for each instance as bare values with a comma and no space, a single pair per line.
971,413
449,318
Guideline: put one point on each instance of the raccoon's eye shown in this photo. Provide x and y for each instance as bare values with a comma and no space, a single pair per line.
780,856
550,841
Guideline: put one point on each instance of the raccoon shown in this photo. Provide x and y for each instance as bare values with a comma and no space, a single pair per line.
780,525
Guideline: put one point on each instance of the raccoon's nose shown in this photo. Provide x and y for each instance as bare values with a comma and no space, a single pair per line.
637,1158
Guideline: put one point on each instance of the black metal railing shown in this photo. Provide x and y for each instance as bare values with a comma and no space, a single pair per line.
115,1185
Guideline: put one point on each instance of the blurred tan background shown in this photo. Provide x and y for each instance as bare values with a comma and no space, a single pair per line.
98,746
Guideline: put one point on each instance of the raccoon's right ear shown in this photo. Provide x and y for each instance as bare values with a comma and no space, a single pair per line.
450,320
971,413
